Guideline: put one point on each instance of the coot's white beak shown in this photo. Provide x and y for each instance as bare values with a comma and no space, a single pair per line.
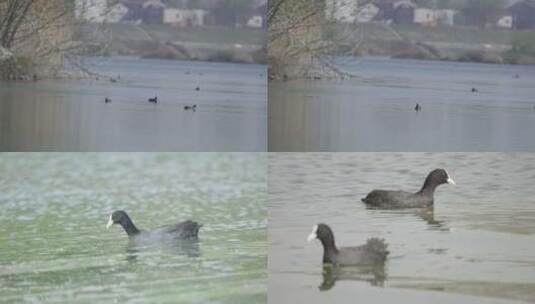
313,234
450,180
110,222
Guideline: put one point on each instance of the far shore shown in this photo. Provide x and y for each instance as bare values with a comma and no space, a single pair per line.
461,44
215,44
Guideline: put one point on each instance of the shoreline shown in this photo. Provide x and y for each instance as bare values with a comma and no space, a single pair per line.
72,74
459,44
194,44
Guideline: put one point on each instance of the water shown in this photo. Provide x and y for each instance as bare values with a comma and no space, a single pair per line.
476,246
54,247
70,115
375,112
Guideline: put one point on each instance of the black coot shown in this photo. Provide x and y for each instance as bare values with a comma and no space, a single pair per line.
184,230
192,108
402,199
154,100
374,251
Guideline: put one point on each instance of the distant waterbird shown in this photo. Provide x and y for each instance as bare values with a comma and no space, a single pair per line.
474,90
197,88
190,108
107,100
154,100
417,108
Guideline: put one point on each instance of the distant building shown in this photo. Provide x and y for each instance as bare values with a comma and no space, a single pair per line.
255,16
523,15
255,21
425,17
505,21
91,10
153,12
341,10
367,12
116,13
184,17
445,16
403,12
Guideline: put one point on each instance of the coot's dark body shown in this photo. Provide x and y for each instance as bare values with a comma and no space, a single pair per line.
373,252
401,199
187,230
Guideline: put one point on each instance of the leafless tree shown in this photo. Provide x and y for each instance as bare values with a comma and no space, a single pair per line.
42,34
303,38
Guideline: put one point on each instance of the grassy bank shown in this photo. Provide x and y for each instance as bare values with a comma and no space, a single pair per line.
446,43
220,44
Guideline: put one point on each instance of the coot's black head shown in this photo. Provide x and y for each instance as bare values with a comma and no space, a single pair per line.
120,217
438,177
117,217
323,233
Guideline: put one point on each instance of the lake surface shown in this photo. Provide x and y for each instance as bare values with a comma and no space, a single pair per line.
70,115
54,247
375,111
476,246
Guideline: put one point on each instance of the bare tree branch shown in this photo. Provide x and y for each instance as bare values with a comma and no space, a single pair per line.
300,42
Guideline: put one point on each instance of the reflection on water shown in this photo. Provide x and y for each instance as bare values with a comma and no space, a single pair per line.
373,274
426,214
54,246
63,115
375,112
189,248
474,246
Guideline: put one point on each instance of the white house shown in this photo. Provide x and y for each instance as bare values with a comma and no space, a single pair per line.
424,16
404,4
255,21
184,17
116,13
154,4
505,22
91,10
445,16
341,10
367,12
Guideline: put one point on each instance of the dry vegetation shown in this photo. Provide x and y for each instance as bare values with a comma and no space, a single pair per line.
38,36
301,40
34,34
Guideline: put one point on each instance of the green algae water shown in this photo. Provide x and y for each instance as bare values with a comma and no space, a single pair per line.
54,247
